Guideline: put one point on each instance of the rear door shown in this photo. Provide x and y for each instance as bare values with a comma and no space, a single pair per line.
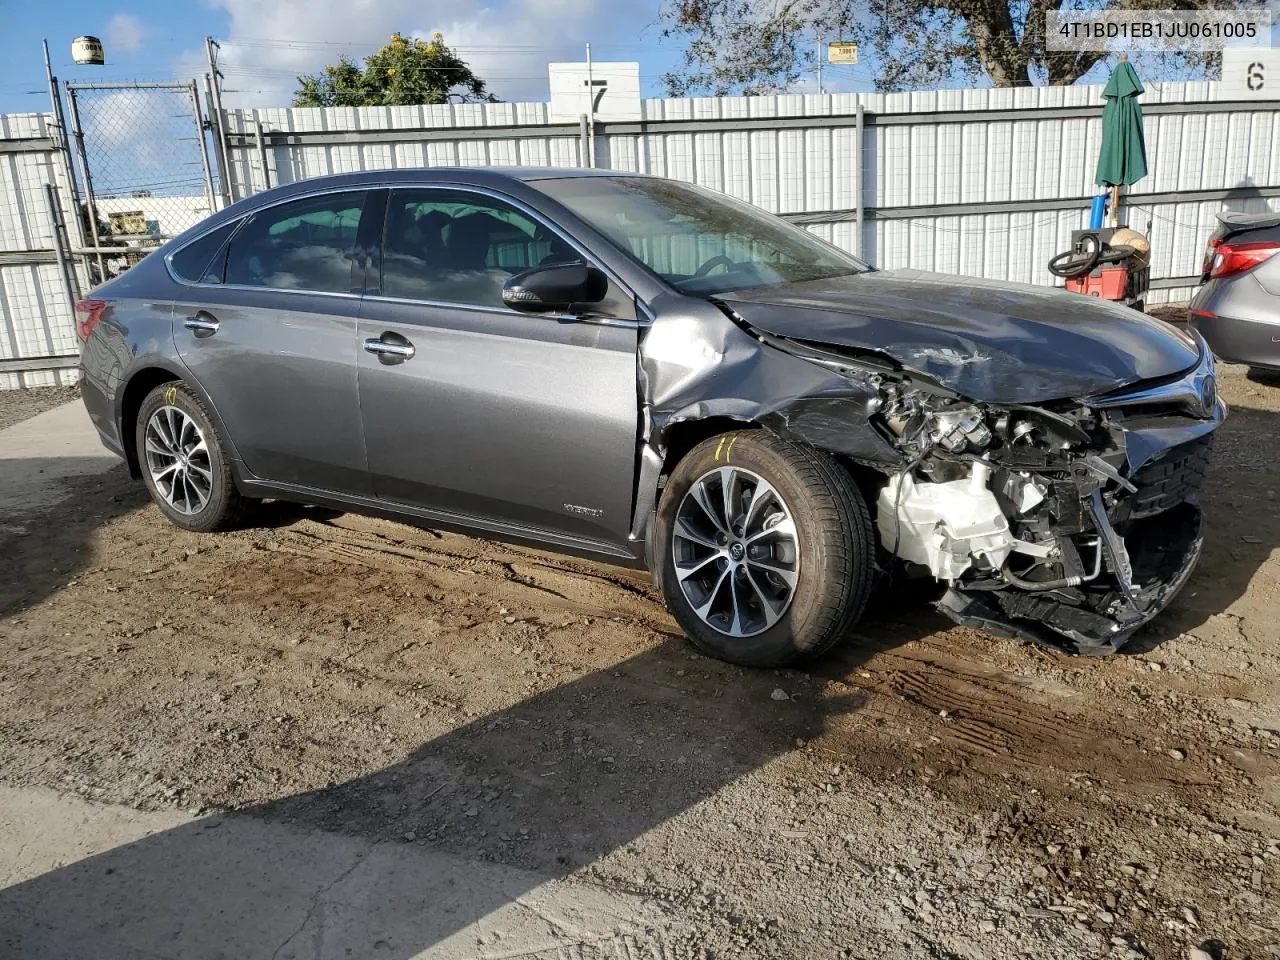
269,331
471,408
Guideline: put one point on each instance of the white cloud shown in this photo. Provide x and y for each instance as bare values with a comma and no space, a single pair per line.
507,43
124,34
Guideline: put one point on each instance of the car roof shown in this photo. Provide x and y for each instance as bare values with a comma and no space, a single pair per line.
476,175
494,177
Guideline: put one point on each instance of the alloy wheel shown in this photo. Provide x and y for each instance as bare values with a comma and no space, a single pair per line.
736,551
178,460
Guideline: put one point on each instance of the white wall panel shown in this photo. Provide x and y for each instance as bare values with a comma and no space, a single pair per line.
809,169
35,314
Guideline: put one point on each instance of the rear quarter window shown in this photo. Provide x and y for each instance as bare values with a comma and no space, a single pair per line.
201,260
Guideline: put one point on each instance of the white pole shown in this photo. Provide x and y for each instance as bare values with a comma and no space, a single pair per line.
819,43
591,106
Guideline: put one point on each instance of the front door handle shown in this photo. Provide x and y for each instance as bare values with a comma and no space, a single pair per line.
391,351
202,324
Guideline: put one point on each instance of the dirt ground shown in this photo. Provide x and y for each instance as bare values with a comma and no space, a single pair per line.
19,405
927,791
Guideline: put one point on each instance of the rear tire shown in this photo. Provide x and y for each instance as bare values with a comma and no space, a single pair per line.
184,466
789,576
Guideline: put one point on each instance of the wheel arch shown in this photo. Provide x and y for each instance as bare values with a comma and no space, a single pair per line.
682,436
140,383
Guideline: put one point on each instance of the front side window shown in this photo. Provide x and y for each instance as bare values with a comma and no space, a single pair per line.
453,246
308,244
700,242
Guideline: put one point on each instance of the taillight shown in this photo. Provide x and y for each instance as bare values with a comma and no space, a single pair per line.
1233,258
1214,242
88,313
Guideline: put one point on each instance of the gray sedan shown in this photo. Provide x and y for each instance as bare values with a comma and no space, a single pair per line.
1237,307
650,373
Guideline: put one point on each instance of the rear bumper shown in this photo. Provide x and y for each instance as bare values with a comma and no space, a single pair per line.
1252,342
101,412
1239,319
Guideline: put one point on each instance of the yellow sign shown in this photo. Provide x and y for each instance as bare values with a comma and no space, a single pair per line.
839,52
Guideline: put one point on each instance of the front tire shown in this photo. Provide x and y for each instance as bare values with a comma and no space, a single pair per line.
765,549
184,466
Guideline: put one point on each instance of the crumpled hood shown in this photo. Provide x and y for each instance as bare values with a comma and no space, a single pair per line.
991,341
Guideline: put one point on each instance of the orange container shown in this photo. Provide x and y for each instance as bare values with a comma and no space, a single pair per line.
1108,283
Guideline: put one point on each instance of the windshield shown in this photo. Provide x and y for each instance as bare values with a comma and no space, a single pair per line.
700,242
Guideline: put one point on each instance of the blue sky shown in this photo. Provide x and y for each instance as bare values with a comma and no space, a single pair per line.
268,42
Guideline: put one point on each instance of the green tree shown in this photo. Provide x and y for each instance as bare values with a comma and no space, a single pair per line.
744,46
406,71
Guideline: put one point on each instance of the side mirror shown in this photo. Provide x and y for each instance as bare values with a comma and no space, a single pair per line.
557,287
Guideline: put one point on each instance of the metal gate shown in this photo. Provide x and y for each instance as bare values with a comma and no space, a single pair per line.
143,166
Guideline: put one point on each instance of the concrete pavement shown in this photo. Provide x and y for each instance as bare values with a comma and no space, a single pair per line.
82,880
39,455
85,880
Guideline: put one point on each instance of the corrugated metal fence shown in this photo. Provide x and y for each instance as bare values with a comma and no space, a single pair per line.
986,183
37,338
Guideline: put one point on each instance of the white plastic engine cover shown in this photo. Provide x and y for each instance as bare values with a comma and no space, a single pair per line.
944,526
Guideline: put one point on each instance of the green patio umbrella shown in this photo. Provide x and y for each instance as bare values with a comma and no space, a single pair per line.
1123,158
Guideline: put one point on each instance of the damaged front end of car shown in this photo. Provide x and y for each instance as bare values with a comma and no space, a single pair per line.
1070,523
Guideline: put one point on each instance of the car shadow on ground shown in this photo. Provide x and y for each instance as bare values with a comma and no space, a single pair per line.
43,549
278,514
468,824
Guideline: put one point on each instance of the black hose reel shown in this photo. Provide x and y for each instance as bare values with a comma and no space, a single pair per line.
1089,252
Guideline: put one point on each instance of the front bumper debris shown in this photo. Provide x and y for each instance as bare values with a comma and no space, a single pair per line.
1070,525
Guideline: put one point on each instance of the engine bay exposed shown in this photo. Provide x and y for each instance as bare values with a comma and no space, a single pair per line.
1033,516
1070,523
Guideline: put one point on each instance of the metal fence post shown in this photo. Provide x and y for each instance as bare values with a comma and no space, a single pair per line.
204,147
219,145
262,151
220,120
60,244
857,180
85,177
64,140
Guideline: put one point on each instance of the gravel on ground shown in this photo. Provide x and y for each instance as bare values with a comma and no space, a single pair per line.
927,791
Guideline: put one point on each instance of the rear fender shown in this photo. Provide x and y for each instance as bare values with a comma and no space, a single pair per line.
145,374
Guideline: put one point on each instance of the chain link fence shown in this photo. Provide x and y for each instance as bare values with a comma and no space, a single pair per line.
143,166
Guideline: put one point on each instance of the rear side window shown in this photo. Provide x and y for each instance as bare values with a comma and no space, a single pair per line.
196,262
308,244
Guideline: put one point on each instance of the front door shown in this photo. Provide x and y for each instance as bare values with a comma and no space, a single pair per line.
470,408
270,333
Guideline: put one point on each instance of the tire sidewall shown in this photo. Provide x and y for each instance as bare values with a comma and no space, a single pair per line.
793,636
176,394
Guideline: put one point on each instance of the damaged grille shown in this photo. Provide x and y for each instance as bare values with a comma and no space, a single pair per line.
1071,522
1172,478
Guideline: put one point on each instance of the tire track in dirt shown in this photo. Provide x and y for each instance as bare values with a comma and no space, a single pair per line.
560,585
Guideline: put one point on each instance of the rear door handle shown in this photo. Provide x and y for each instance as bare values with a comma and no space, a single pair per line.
202,324
389,351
